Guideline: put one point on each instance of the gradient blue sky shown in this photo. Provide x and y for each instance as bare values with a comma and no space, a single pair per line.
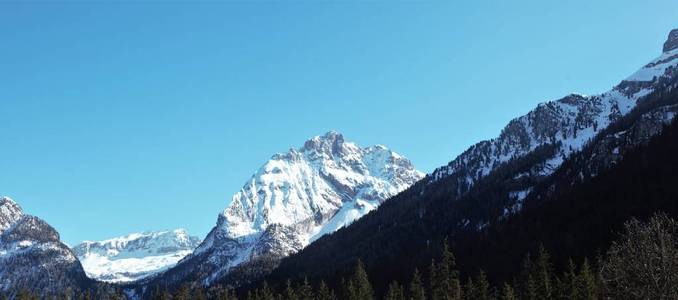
117,118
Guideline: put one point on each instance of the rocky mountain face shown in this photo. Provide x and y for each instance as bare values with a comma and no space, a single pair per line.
292,200
134,256
32,257
672,43
569,124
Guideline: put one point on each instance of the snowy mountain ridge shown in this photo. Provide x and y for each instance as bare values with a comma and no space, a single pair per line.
295,198
570,123
134,256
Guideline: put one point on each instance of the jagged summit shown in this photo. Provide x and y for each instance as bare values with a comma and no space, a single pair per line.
4,199
672,42
330,142
8,203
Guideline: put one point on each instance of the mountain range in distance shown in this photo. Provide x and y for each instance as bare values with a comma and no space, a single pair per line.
134,256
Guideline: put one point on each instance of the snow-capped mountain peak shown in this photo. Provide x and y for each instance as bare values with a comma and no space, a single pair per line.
297,197
314,182
134,256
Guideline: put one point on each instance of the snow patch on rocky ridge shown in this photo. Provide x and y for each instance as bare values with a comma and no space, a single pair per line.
134,256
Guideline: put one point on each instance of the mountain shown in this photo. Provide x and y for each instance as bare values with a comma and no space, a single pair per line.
570,123
559,145
134,256
292,200
33,258
566,126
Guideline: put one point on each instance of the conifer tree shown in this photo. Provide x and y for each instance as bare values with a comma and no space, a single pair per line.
482,287
347,289
525,276
416,287
542,273
531,292
443,287
305,291
231,295
470,290
182,293
198,294
160,294
324,292
67,294
395,292
225,294
558,290
446,278
265,292
87,295
432,280
586,282
507,292
289,293
361,283
569,284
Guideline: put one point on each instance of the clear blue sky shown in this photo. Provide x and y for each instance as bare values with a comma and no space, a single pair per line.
117,118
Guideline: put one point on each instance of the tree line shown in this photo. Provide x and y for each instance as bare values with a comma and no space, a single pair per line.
641,264
443,282
93,294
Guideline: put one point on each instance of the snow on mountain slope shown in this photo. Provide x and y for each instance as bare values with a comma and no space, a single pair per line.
10,213
570,123
294,199
32,256
314,182
135,256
